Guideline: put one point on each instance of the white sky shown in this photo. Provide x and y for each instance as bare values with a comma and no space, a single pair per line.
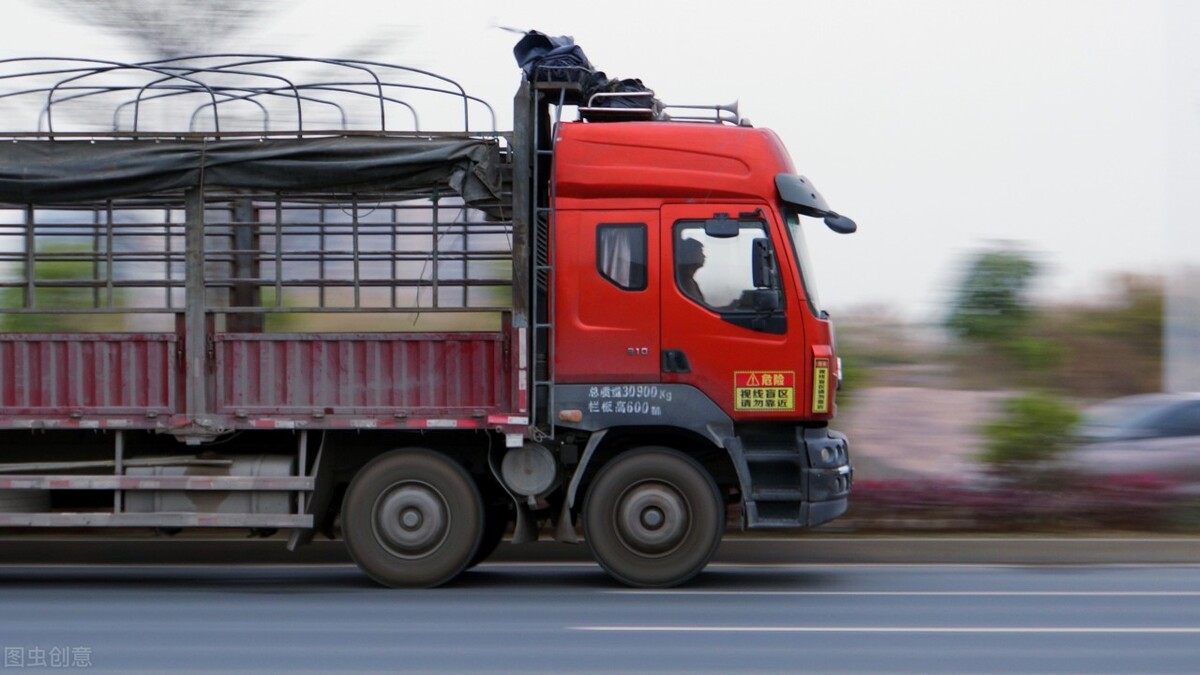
939,125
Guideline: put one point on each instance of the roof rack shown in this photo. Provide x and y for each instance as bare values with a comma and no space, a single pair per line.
721,114
228,94
622,106
615,106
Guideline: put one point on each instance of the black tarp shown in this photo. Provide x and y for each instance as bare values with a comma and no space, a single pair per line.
63,171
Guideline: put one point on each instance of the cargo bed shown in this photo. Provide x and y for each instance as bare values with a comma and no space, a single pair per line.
202,310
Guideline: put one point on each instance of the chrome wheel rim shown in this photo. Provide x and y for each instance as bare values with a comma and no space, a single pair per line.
412,519
652,518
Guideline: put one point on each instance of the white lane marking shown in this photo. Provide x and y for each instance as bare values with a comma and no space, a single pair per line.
1053,594
536,565
999,540
1081,630
945,565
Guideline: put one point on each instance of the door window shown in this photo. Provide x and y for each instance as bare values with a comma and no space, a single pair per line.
621,255
718,272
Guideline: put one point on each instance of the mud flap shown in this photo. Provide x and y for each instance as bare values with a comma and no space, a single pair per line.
318,501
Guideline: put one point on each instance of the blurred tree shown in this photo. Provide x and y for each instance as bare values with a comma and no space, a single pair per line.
1112,348
1100,350
991,305
171,28
993,315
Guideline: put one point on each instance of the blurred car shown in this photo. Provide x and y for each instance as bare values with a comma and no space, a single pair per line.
1152,435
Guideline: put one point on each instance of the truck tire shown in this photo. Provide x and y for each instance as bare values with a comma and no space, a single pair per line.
496,519
412,517
653,518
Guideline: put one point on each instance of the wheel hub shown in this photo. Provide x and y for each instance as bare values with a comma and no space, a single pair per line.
652,518
411,519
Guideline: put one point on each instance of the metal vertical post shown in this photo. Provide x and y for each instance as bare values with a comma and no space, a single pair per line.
95,256
30,259
302,470
109,242
395,250
434,249
522,161
321,248
466,258
244,290
355,252
168,265
118,495
279,253
195,351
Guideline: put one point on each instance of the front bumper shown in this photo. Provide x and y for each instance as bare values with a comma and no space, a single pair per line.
828,476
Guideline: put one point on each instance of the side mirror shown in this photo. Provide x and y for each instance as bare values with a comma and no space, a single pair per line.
800,193
762,264
840,224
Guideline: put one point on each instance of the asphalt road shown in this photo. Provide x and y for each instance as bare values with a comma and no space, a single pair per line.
827,549
567,617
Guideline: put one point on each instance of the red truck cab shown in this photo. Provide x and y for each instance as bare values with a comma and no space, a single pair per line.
655,295
683,318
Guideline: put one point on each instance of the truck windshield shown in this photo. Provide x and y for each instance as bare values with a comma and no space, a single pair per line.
796,234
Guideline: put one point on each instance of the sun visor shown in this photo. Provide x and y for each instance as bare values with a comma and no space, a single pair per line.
800,193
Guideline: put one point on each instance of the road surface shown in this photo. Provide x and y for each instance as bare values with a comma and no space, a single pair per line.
568,617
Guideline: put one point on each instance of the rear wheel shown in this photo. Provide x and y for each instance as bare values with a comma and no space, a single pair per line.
653,517
412,518
496,519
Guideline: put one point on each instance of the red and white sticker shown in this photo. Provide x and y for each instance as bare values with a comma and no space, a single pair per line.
764,390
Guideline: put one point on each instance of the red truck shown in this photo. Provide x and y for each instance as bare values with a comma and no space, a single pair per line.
290,308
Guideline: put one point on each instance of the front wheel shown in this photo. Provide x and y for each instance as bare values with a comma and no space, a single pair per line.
412,518
653,518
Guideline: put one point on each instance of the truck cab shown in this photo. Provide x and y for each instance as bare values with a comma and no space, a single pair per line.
687,267
681,317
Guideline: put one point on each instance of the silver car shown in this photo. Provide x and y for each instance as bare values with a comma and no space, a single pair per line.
1150,435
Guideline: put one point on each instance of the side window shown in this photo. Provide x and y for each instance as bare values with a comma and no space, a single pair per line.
718,272
1184,421
621,255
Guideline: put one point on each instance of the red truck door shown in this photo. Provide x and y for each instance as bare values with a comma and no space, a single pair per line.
729,332
606,296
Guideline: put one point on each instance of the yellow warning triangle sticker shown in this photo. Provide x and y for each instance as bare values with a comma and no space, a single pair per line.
752,381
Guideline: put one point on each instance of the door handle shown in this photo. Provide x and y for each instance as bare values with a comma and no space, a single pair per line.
675,361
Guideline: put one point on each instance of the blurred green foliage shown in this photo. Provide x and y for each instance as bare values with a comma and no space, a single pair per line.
1034,426
48,269
855,376
991,305
1111,347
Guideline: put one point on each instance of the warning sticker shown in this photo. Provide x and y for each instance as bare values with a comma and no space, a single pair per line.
764,390
820,399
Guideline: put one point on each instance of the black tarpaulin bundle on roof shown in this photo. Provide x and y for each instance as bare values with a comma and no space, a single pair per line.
552,58
62,171
546,58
